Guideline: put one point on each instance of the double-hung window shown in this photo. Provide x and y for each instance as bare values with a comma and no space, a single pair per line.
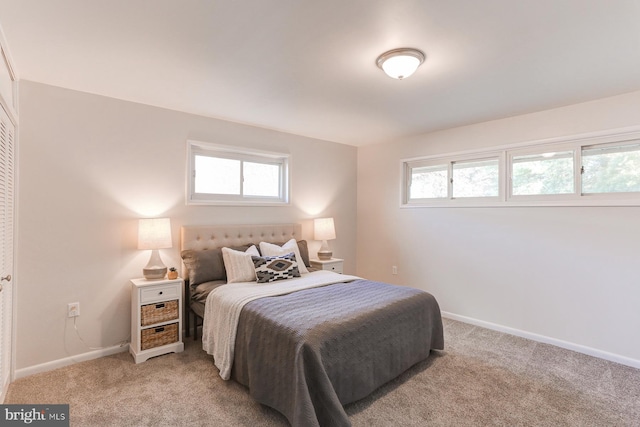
220,174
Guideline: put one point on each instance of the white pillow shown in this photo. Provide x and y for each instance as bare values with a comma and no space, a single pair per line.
269,249
239,265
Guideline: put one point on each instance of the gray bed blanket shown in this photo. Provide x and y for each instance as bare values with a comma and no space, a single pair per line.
310,352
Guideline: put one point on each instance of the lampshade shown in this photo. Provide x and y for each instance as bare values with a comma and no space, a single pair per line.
400,63
323,229
154,234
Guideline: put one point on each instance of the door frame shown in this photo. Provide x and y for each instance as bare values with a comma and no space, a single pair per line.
10,107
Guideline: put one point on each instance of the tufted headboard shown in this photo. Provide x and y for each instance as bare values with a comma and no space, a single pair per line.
200,237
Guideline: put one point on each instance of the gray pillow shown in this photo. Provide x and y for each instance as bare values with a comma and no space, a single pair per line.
304,252
206,265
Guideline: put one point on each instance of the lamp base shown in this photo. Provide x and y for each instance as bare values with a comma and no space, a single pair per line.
155,268
325,252
154,273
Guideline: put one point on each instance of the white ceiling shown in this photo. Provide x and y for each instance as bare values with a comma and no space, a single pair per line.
307,67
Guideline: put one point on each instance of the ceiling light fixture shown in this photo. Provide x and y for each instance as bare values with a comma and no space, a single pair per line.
400,63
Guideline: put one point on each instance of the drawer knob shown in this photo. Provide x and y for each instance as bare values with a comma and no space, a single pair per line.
160,293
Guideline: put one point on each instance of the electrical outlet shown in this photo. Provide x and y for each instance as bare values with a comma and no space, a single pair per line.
73,309
394,270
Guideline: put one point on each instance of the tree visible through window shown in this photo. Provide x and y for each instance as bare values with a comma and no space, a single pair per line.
547,173
476,178
602,169
611,169
429,182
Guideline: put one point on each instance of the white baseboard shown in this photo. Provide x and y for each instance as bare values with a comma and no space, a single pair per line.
623,360
3,392
54,364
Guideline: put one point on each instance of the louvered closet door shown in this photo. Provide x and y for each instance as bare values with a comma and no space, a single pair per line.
7,132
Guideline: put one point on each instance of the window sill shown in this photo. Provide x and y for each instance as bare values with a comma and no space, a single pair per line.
584,201
234,203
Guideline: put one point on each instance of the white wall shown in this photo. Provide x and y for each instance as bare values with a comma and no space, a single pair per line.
569,274
90,166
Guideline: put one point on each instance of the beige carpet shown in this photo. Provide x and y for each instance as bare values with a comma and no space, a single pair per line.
483,378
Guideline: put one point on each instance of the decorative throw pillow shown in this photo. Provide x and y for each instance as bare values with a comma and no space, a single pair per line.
239,265
269,249
272,268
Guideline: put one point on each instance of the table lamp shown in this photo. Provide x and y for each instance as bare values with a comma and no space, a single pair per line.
324,229
154,234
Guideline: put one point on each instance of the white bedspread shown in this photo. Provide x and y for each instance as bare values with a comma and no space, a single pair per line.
224,304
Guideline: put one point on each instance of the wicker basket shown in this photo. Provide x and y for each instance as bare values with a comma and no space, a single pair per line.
151,314
156,337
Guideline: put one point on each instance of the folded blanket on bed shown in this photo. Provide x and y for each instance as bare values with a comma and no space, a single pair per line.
225,303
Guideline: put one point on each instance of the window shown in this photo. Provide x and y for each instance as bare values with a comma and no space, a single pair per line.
599,169
611,169
219,174
428,181
477,178
542,174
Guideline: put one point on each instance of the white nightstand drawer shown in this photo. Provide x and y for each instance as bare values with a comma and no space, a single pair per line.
159,293
337,267
158,312
333,264
156,337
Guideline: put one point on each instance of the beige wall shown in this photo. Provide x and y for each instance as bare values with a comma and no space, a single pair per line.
567,274
90,166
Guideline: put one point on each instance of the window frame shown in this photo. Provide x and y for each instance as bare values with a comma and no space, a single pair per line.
243,154
531,151
407,173
410,164
575,143
473,159
610,195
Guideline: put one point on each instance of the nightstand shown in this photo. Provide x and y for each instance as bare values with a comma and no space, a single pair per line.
333,264
156,318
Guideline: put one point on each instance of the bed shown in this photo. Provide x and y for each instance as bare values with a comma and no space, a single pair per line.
306,345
